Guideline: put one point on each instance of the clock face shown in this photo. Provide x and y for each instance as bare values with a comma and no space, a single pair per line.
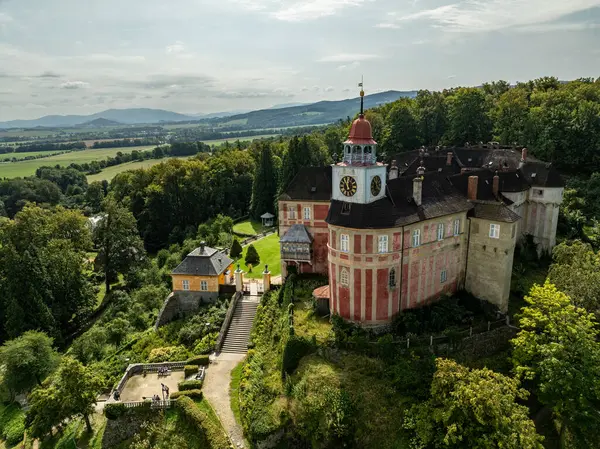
375,185
348,185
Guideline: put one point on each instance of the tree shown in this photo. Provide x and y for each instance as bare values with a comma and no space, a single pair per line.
557,350
401,132
94,196
432,115
90,346
27,361
120,248
252,256
472,408
468,119
510,117
236,249
576,272
264,186
117,330
72,391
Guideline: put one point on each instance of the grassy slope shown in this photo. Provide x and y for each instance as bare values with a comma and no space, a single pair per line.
268,250
234,388
28,168
249,227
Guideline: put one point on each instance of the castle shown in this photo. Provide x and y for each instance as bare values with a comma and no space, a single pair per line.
435,221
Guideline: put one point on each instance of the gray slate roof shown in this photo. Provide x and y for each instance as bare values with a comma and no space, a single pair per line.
204,261
297,234
494,211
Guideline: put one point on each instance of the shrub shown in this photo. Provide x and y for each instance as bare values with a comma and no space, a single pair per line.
190,370
114,410
294,350
189,385
207,344
12,424
161,257
201,360
168,354
236,249
194,394
252,256
198,419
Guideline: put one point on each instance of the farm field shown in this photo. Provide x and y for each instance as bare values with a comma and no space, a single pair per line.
24,155
110,172
268,251
28,168
233,139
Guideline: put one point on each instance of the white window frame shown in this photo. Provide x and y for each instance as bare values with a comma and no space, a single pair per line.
185,284
457,226
443,276
416,238
292,212
382,244
204,286
307,213
494,231
440,231
344,243
344,276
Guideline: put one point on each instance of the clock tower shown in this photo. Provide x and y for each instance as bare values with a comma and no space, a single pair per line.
359,178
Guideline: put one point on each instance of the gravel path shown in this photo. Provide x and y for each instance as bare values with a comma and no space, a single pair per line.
216,390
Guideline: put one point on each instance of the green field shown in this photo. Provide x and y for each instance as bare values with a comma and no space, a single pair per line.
31,153
110,172
268,251
28,168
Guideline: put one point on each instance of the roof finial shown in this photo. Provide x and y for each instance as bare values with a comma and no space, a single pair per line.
362,96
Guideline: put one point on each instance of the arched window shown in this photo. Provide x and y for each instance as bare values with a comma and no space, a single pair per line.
347,149
357,149
344,277
368,149
392,278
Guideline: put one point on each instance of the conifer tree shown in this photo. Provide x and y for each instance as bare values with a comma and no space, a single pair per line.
264,187
252,256
236,249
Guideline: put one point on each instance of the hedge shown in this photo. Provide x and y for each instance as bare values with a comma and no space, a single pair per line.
194,394
190,370
12,423
198,419
294,350
114,410
190,385
199,360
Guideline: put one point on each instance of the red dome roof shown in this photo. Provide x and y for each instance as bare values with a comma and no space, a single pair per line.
360,132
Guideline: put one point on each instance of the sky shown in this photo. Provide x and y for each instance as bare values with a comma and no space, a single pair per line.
203,56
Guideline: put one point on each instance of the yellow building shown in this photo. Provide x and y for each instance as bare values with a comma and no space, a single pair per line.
202,274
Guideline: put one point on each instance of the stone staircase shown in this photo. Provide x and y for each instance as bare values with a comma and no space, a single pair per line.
236,339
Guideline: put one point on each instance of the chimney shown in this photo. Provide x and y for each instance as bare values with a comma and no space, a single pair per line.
472,193
418,190
449,158
496,184
393,174
524,155
202,245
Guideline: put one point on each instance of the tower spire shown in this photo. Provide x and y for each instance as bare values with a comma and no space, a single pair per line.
362,96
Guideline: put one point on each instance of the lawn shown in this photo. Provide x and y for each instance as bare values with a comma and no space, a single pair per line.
29,153
307,323
268,251
248,227
28,168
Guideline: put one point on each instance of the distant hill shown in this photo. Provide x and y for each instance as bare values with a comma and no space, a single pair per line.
121,116
99,123
319,113
279,116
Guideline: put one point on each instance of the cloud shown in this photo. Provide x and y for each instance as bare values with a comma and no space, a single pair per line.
175,48
348,57
105,57
492,15
329,89
352,66
74,85
450,77
313,9
5,18
49,74
387,25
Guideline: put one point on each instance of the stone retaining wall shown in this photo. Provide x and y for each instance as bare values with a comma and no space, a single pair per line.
179,304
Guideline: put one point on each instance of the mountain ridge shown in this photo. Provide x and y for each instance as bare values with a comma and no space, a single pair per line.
319,113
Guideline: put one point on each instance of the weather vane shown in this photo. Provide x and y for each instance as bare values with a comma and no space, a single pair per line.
362,95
